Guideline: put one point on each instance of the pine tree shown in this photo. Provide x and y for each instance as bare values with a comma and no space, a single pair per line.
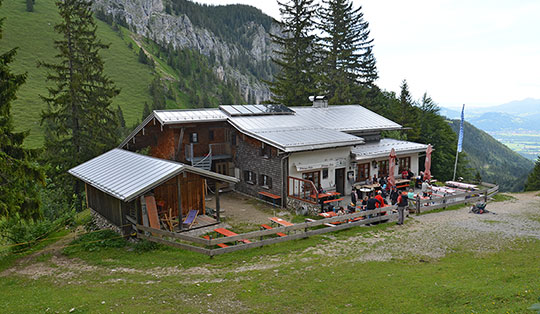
348,62
79,120
533,181
297,55
407,114
20,174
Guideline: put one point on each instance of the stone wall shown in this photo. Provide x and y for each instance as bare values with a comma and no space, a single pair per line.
248,158
302,208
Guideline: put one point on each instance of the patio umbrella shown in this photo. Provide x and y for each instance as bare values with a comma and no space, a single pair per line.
391,178
427,172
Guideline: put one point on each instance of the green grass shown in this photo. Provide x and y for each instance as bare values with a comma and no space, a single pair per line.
33,33
506,281
503,198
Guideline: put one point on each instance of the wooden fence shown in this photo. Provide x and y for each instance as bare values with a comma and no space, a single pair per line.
302,230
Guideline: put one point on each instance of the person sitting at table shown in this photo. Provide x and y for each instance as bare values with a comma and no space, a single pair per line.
369,181
375,179
341,211
380,198
320,189
410,195
364,202
351,208
410,174
404,174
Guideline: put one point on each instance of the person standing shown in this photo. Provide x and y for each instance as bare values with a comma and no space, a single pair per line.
425,189
354,196
394,194
402,202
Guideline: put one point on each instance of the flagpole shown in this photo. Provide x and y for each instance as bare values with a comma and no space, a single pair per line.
460,140
455,166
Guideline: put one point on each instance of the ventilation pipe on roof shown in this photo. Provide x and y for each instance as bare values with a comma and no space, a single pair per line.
319,101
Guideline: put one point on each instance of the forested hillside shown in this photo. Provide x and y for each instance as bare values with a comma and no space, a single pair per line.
33,33
495,162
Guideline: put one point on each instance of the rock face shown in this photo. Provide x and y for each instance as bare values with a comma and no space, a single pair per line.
148,18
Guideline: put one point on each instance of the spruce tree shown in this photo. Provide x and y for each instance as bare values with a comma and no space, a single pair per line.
348,63
297,54
20,174
79,120
533,181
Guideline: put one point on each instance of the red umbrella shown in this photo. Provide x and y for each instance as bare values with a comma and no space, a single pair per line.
391,178
427,172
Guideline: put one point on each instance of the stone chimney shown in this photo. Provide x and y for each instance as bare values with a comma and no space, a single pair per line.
319,101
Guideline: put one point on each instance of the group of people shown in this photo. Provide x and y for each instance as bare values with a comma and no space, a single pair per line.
378,199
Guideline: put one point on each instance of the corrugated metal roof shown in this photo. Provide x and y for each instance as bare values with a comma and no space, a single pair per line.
189,115
126,175
299,139
383,147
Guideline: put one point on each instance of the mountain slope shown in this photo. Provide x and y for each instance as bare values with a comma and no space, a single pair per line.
33,33
495,162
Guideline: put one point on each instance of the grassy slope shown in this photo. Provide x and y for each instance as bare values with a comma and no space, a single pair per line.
506,281
496,162
33,33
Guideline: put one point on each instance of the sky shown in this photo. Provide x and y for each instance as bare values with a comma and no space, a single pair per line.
478,53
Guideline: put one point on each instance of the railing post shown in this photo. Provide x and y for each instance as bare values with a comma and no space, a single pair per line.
485,196
418,205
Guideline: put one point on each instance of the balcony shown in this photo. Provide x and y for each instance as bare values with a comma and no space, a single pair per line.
195,152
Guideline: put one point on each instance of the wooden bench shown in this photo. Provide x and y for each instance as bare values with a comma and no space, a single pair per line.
274,197
219,244
281,221
281,234
335,200
229,233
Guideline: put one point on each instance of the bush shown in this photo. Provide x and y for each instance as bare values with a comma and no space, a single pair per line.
29,232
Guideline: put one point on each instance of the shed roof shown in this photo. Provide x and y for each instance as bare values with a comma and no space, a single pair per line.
126,175
383,148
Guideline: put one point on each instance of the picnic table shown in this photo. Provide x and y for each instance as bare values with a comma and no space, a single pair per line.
229,233
402,183
280,221
270,195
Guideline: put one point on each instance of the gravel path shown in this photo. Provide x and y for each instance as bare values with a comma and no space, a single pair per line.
434,235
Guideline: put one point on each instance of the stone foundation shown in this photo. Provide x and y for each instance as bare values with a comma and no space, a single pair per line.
102,223
302,208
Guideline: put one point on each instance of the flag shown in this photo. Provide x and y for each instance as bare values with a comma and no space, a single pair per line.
460,138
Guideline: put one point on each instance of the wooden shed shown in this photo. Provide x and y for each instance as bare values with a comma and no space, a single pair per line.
116,180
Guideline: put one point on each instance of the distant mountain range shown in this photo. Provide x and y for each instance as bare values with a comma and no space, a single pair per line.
516,115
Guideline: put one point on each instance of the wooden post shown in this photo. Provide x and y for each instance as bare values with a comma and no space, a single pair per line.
418,205
485,196
218,209
180,219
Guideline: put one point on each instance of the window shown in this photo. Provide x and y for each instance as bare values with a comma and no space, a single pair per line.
383,168
404,164
325,173
250,177
211,135
363,172
266,181
314,177
266,151
193,138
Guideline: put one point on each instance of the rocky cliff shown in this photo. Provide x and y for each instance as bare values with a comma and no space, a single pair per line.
150,19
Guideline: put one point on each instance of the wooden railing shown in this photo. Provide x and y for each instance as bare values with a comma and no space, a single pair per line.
302,189
302,230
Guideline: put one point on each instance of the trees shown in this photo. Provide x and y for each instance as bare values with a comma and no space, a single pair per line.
297,54
347,58
78,120
20,174
533,181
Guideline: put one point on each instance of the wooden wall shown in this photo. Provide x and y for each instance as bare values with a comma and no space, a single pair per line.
108,206
192,192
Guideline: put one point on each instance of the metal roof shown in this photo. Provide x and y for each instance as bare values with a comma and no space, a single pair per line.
347,118
300,139
126,175
189,115
383,147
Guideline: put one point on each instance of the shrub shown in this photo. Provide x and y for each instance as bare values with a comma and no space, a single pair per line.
94,241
